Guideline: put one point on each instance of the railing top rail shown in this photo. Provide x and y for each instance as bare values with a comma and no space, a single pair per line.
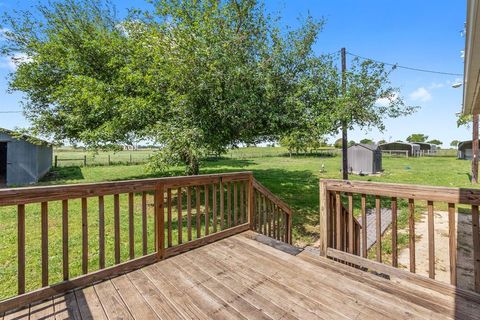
417,192
25,195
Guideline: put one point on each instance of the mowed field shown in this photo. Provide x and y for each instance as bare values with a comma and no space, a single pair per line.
294,179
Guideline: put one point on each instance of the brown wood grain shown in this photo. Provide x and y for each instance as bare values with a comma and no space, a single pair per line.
431,241
116,226
44,222
378,214
411,233
84,236
452,243
394,233
21,248
101,232
131,225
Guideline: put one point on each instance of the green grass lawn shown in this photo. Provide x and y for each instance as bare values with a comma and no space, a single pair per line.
294,179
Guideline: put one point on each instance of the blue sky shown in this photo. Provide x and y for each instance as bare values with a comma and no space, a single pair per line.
423,34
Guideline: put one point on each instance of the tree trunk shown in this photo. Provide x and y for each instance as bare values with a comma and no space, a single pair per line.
193,166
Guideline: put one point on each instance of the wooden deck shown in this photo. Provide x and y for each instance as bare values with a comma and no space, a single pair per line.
241,278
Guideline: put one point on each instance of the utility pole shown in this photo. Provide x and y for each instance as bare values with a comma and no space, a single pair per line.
475,149
344,123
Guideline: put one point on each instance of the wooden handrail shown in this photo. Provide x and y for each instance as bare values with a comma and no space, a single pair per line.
279,202
334,237
25,195
416,192
202,208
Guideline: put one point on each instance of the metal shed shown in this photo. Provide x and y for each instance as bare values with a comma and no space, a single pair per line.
409,149
427,148
464,150
23,159
364,158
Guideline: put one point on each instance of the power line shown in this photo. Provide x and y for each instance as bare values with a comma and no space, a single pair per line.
10,111
407,68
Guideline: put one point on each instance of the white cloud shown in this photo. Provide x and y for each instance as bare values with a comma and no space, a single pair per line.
436,85
421,94
383,102
13,62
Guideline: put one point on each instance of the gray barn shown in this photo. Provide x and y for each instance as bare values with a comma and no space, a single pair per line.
23,159
465,150
364,158
427,148
411,149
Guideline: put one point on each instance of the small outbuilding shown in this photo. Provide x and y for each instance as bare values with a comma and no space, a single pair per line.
399,147
464,150
23,159
364,158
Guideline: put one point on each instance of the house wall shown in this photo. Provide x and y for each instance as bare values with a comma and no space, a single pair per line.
26,162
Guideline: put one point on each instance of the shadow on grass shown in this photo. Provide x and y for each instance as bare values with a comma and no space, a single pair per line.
61,174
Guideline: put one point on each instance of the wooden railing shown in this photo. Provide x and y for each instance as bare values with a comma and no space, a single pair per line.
87,232
334,240
273,217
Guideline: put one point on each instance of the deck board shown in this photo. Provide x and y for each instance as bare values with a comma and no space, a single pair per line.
241,278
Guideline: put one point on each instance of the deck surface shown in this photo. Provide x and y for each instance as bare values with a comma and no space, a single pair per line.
240,278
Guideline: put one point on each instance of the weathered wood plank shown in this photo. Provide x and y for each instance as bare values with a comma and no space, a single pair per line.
378,229
44,222
452,243
476,247
350,223
66,307
411,233
84,236
364,225
21,248
89,305
207,210
111,301
116,226
169,218
198,213
144,224
189,213
101,232
394,233
431,241
179,216
131,225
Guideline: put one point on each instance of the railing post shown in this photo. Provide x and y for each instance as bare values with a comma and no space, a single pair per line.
160,221
251,207
323,218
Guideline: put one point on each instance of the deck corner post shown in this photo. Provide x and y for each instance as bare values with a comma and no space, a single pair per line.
251,207
323,218
160,220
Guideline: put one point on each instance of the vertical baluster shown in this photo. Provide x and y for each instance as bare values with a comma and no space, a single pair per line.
214,207
116,223
378,212
84,236
394,233
198,213
350,224
131,231
21,247
476,248
242,202
270,217
189,213
264,214
274,221
101,232
44,222
222,206
159,221
229,205
169,218
338,212
411,236
364,225
431,241
258,212
66,272
452,237
235,204
144,224
179,215
207,210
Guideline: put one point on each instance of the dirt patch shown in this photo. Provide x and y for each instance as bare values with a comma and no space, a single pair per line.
465,276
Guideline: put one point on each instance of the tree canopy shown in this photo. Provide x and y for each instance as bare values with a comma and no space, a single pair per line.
367,141
454,143
435,142
193,76
417,137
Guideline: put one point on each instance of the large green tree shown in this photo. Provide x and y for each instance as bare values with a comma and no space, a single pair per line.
193,76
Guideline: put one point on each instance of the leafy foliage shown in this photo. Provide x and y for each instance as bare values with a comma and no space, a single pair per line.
435,142
417,137
195,77
367,141
454,143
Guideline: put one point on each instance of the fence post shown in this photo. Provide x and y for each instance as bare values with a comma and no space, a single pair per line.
130,158
108,159
85,160
160,222
251,206
56,161
323,218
